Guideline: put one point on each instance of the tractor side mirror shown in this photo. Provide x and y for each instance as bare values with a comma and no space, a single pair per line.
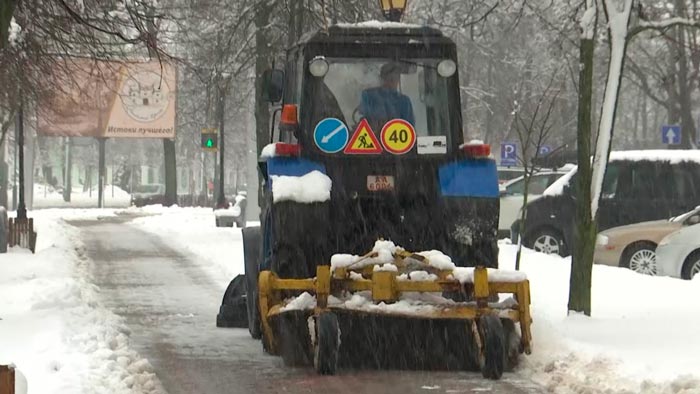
273,85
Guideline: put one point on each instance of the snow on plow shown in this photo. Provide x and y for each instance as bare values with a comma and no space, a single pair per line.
396,309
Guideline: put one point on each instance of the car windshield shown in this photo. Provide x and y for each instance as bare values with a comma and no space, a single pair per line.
383,89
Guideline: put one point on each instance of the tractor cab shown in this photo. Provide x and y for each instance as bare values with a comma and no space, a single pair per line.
375,106
376,72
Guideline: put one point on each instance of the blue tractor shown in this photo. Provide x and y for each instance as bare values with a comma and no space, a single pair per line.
373,111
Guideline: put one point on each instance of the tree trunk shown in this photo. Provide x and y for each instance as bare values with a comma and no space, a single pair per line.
169,150
687,122
585,227
263,60
645,122
170,163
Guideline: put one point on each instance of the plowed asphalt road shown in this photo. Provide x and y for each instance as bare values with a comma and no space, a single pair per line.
170,305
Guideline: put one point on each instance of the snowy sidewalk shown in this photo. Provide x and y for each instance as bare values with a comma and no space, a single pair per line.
51,325
642,338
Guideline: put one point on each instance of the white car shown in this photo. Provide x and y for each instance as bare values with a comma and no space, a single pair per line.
678,254
512,195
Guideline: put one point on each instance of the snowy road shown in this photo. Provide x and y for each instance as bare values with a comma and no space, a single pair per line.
170,305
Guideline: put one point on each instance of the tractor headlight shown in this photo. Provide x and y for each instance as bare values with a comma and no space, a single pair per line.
447,68
318,66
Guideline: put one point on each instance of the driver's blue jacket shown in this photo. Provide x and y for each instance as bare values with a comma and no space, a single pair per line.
381,105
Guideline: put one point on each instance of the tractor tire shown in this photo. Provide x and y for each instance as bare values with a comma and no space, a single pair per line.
640,257
232,312
327,343
512,344
251,255
493,357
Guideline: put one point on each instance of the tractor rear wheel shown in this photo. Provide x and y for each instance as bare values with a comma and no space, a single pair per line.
327,343
493,355
513,347
251,257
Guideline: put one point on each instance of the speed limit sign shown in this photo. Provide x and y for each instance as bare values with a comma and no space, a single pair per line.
398,136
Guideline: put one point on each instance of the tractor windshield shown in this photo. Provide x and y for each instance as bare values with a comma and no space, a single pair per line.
383,89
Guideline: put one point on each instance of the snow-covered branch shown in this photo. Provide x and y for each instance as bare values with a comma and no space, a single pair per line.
662,25
618,12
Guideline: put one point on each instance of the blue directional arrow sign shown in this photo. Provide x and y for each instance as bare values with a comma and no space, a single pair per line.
509,154
671,134
331,135
545,150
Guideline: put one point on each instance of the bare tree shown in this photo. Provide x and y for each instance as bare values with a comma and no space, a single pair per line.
533,127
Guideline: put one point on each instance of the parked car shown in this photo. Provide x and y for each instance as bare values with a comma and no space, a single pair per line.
638,186
512,195
148,194
505,174
634,246
678,254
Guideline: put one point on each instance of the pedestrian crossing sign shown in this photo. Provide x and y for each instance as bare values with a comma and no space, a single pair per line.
363,141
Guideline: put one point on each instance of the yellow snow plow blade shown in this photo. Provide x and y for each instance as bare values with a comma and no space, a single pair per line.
485,319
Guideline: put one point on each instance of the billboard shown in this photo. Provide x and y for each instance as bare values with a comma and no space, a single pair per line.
110,99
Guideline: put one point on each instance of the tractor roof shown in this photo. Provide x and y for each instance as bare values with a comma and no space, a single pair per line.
375,32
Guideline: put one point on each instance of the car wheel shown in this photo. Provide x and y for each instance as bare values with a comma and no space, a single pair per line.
547,241
691,267
640,257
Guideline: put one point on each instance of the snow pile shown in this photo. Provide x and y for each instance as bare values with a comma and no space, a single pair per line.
466,275
642,337
15,34
414,304
312,187
375,24
418,276
557,188
386,268
672,156
381,253
302,302
53,327
219,250
438,260
269,151
45,196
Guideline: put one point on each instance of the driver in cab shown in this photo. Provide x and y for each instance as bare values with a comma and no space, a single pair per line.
384,103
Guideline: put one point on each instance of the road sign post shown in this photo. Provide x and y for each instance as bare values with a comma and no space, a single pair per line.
671,134
509,154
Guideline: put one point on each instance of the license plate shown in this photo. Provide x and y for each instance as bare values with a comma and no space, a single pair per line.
378,183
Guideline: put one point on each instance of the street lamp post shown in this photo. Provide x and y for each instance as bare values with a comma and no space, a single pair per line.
223,88
21,207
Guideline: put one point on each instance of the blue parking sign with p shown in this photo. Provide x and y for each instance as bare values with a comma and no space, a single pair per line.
509,154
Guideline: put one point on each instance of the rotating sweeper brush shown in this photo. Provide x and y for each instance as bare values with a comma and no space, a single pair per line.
392,309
